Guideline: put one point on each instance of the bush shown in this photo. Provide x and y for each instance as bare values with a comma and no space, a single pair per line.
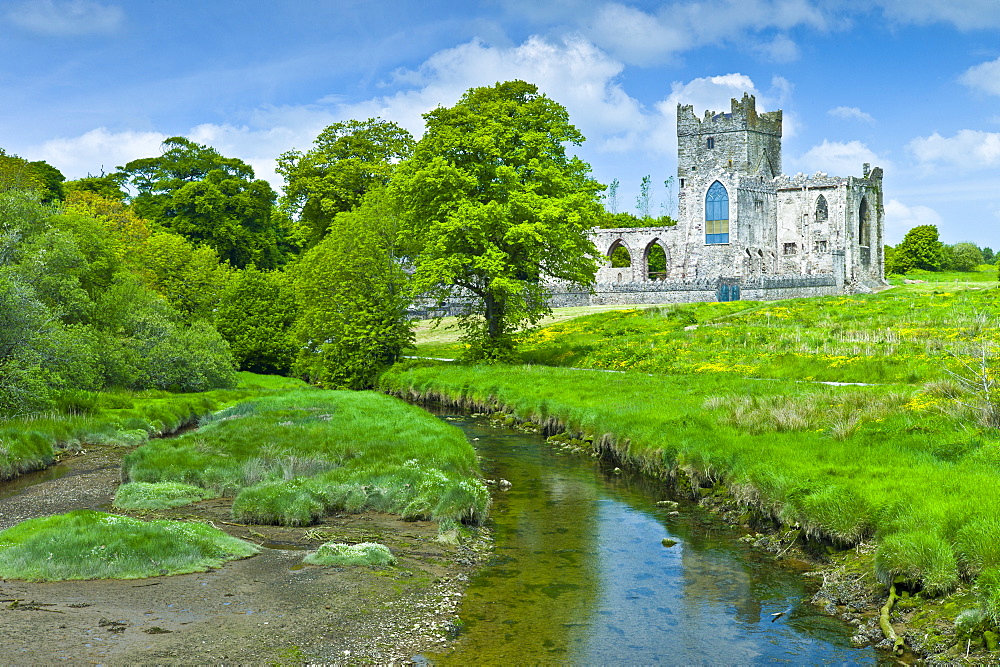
337,553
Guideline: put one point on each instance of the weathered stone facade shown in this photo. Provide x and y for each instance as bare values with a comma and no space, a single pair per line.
744,230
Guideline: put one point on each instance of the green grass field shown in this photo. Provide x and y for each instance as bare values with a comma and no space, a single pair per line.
729,394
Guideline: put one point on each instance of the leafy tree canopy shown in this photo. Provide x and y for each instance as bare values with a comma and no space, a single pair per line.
494,205
353,297
255,315
964,257
108,186
348,160
920,249
193,190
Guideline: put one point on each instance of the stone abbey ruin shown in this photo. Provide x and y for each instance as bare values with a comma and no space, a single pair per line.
744,230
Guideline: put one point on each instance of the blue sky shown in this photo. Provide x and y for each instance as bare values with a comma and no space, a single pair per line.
909,85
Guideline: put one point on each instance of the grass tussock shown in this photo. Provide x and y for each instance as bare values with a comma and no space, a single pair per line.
94,545
159,496
291,458
337,553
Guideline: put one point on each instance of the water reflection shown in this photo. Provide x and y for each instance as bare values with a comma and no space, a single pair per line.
580,576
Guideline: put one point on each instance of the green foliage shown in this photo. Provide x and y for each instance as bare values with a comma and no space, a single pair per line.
107,186
493,205
144,345
620,259
352,298
51,180
196,192
338,553
292,458
18,174
255,315
920,249
628,220
348,160
189,277
164,495
963,257
94,545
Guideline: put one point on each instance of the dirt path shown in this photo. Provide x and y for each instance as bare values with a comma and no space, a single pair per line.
265,609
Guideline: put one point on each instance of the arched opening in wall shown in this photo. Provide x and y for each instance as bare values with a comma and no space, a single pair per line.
619,255
864,224
656,261
717,214
822,210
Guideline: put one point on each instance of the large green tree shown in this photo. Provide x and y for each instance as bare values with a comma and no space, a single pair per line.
255,315
210,199
352,298
347,161
494,205
920,249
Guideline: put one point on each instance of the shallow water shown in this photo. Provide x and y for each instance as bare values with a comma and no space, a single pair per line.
12,487
580,576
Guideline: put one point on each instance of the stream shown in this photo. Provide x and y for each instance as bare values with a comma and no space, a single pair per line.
579,574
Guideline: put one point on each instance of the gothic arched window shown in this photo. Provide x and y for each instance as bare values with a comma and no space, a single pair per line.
864,224
822,211
717,214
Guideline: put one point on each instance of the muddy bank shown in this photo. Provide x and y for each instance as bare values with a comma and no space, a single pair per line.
268,608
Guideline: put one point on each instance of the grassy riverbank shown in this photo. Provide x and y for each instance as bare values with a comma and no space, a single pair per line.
291,458
114,418
847,464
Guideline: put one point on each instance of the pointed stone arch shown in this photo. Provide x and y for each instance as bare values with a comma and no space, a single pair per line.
822,209
864,223
656,260
619,254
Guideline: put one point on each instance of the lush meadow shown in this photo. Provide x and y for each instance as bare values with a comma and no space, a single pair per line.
728,395
909,334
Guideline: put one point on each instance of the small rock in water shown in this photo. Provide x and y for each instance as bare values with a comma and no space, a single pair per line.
504,484
672,504
617,471
667,542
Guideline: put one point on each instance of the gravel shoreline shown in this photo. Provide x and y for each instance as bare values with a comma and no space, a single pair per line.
268,608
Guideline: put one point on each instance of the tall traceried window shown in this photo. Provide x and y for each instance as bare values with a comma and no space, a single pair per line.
717,214
822,210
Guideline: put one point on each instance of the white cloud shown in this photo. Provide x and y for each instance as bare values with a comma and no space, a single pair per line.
96,150
781,49
840,158
640,37
984,76
963,14
67,17
900,218
851,113
967,150
572,71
